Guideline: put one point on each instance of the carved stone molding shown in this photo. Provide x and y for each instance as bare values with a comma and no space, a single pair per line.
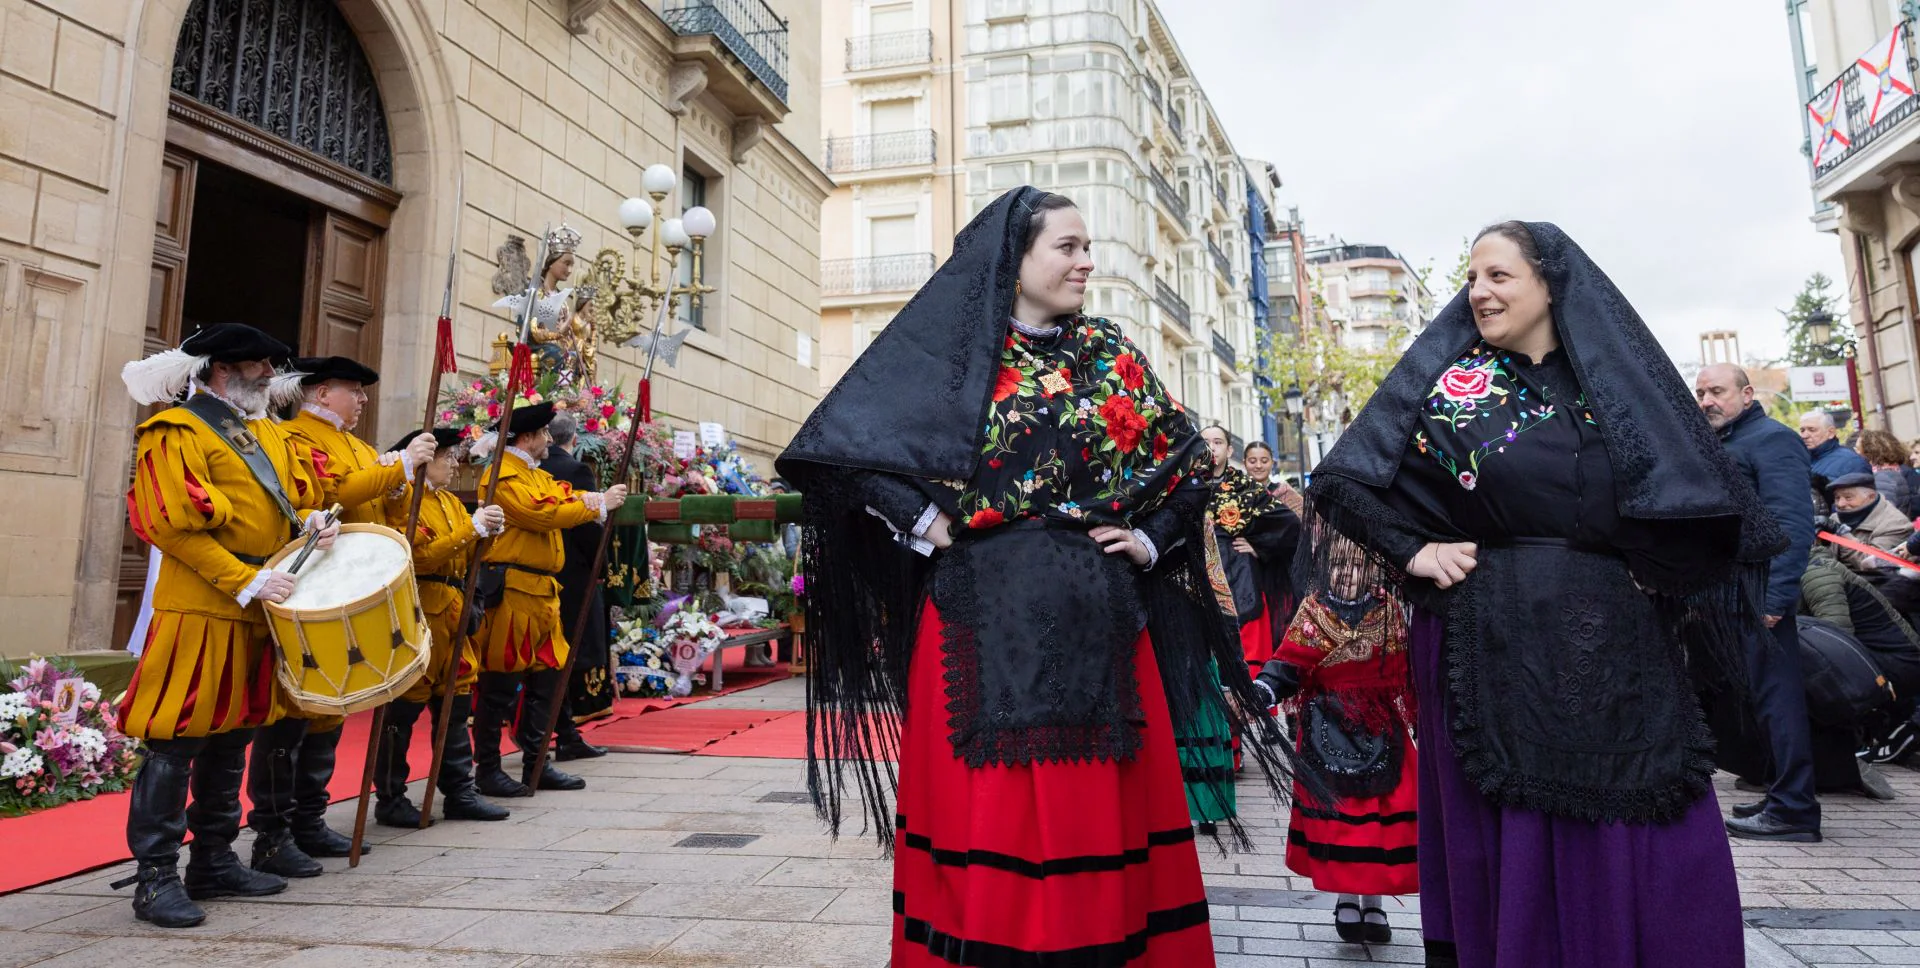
892,90
1860,214
747,132
42,362
684,83
1905,187
580,11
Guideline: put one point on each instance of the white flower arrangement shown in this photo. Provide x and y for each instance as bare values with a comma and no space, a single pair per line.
21,762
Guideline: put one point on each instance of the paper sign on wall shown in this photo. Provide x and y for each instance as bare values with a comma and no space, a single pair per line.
712,435
684,444
803,352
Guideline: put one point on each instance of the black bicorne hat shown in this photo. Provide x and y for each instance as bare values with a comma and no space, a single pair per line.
320,369
443,438
529,418
234,343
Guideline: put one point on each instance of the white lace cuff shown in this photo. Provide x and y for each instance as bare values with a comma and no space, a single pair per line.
915,539
478,528
1153,553
248,593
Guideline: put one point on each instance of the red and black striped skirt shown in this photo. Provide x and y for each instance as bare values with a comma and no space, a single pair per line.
1360,846
1090,865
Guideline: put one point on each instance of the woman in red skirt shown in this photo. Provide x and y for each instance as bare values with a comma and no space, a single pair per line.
1342,670
1007,593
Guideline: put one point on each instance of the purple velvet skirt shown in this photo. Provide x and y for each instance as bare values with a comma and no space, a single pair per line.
1509,888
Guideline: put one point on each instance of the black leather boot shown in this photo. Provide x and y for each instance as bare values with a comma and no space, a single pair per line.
531,733
313,770
458,797
490,715
270,787
213,869
156,823
390,774
568,743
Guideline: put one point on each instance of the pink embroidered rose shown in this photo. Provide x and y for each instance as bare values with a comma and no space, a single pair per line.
1462,385
1467,480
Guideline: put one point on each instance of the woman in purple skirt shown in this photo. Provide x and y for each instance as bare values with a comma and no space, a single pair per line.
1581,552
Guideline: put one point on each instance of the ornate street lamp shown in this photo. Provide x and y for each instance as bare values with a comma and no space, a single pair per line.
1820,333
625,295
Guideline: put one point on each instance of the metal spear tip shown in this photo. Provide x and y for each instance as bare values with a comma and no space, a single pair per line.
668,350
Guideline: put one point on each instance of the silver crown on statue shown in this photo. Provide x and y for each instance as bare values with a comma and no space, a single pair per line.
562,241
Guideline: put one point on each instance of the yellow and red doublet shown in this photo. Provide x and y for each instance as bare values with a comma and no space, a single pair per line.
358,482
443,544
207,664
523,632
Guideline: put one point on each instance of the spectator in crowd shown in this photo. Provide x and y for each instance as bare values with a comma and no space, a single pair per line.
1893,477
1833,594
1860,513
1778,470
1831,458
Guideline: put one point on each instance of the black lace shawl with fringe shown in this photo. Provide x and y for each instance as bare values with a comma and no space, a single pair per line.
1669,470
911,408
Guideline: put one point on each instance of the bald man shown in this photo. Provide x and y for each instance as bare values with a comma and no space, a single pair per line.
1831,458
1779,468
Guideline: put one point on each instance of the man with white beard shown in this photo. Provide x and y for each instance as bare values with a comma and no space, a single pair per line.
217,488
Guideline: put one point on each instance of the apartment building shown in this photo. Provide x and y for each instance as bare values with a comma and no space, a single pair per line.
934,107
1371,293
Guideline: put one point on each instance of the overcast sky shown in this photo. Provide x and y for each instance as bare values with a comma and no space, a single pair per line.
1664,138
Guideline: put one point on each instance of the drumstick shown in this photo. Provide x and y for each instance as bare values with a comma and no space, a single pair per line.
642,406
313,540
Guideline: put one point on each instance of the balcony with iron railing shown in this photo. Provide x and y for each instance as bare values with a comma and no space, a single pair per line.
1153,92
901,48
1168,195
1863,106
875,274
1220,194
1173,121
1220,260
1171,303
895,149
1224,350
748,29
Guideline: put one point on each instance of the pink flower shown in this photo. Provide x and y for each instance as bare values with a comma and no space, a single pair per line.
1467,480
1462,385
597,392
607,410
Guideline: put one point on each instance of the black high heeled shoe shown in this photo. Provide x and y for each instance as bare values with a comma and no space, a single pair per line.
1354,931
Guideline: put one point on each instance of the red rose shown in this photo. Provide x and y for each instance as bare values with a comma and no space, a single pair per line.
1124,425
1008,384
985,519
1159,446
593,425
606,410
994,463
1132,374
493,410
1462,385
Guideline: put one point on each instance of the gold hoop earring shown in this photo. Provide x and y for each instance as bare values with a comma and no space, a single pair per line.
1016,287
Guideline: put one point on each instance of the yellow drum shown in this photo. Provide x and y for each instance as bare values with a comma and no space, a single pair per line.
352,635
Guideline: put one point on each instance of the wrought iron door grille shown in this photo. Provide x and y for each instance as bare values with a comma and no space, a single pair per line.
292,68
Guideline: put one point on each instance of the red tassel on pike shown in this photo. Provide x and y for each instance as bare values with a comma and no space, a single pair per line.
443,360
520,379
646,401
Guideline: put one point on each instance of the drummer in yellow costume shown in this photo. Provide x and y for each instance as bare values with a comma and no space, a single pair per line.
293,759
443,544
521,641
217,488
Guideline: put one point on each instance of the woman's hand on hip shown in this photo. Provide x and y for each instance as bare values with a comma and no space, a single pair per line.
1244,547
1120,541
1446,564
940,532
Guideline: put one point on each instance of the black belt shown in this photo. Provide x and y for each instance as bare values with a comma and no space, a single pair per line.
443,580
1521,541
251,559
530,571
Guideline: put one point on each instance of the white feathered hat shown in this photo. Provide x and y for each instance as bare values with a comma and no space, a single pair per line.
163,377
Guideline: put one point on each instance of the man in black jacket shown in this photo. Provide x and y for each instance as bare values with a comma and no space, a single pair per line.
1776,462
590,680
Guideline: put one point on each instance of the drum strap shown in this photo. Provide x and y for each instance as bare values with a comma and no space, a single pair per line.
227,425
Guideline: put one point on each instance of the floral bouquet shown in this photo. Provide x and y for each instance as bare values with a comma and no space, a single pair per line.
691,635
643,667
57,741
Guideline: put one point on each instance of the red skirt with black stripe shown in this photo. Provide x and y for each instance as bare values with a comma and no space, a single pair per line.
1360,846
1091,865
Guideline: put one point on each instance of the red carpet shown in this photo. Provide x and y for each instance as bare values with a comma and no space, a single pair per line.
679,730
78,837
784,737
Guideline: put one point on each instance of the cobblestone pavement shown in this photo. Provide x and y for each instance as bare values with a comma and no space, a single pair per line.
608,877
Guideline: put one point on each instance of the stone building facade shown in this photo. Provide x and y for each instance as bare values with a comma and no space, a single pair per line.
310,166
